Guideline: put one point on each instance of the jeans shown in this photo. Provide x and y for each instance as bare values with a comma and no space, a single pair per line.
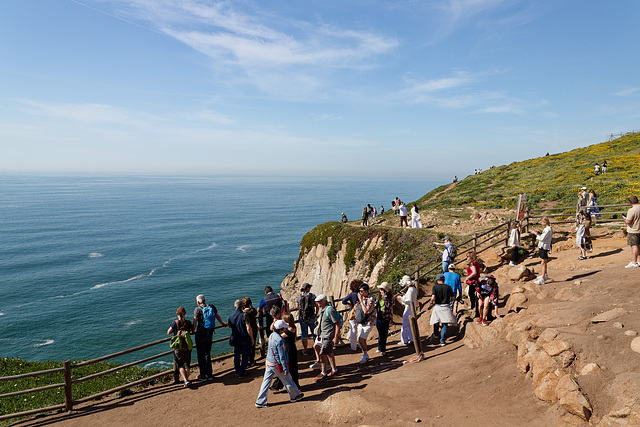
241,357
383,333
353,335
305,326
443,332
405,332
203,348
269,373
445,266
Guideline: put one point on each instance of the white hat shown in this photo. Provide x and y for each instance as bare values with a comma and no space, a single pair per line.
385,285
406,280
280,324
321,297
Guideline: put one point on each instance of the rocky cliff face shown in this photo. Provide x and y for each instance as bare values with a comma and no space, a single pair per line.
333,278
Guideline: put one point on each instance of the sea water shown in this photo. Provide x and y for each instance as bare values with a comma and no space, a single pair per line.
94,265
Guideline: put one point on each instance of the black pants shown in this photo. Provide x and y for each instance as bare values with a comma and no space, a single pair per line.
383,332
203,348
514,254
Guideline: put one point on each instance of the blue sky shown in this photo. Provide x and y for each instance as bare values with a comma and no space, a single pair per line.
328,88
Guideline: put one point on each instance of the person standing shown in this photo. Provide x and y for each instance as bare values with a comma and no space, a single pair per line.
365,217
473,277
403,214
242,339
266,304
204,320
447,252
583,236
632,219
514,242
182,356
250,315
308,314
385,313
452,279
604,166
344,218
366,318
441,298
408,298
415,217
277,364
350,301
596,169
328,337
544,246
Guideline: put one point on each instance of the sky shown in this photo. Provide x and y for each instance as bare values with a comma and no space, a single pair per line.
401,88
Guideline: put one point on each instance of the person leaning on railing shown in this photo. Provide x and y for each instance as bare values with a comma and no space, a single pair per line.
182,356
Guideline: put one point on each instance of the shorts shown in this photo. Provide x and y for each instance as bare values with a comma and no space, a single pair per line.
305,325
633,239
326,345
182,359
543,253
363,331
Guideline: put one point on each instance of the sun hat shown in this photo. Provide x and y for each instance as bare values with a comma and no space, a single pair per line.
321,297
280,324
386,286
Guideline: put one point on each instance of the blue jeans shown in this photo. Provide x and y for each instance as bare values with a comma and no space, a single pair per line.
203,348
241,357
445,266
443,332
269,373
305,326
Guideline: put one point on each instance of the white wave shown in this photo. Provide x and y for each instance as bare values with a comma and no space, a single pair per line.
213,245
133,322
242,248
139,276
46,342
1,314
159,364
95,255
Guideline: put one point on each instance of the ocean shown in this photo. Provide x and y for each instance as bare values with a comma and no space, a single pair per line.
91,265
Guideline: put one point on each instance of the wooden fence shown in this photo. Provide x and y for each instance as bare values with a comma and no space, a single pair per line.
567,214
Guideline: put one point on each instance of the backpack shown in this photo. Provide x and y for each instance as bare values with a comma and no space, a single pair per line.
307,309
209,317
453,253
361,317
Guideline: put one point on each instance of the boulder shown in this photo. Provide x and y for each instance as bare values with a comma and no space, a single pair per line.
516,302
590,368
517,290
571,398
526,351
547,389
554,348
548,334
519,272
630,333
618,325
565,359
609,315
635,345
542,364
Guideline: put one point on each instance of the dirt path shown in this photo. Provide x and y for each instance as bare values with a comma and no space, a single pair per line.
454,386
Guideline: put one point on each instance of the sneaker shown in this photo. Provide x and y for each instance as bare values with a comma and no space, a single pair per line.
484,322
209,378
297,398
304,352
262,405
632,264
320,377
315,365
479,320
512,264
332,373
187,384
580,258
546,277
539,281
364,358
377,350
442,344
382,353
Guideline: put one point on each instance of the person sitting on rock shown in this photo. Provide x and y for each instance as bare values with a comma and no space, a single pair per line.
488,293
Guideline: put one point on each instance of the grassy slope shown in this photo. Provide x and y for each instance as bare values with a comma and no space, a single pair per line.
554,177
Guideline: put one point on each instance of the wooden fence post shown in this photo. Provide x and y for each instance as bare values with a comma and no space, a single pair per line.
506,239
332,300
475,239
263,342
415,331
526,216
68,394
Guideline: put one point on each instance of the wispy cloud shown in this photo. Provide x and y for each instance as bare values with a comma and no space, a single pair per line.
328,117
458,10
89,113
270,51
212,116
627,91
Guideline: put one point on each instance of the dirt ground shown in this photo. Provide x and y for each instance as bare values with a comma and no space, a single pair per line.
454,385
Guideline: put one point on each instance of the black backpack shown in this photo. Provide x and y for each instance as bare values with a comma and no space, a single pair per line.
307,309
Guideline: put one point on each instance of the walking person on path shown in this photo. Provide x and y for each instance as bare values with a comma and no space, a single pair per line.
447,252
544,246
452,279
408,298
328,337
366,318
204,321
415,217
385,313
403,215
289,336
473,277
350,301
441,299
514,242
308,312
632,219
277,364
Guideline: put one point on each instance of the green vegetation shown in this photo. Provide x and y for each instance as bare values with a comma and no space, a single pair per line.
551,178
548,180
42,399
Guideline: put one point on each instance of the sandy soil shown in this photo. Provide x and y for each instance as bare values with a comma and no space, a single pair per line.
454,385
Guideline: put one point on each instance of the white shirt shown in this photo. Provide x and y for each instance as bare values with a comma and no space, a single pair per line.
448,247
545,238
410,296
514,237
403,210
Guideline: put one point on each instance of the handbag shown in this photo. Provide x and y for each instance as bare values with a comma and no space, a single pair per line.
278,365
